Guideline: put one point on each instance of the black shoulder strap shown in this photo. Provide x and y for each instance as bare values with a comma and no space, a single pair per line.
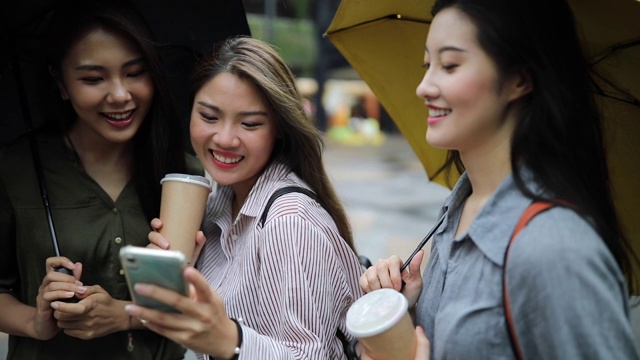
282,191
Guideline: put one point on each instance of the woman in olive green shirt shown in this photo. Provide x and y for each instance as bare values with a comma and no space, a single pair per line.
116,137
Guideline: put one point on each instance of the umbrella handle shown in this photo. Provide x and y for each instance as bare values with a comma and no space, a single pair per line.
421,245
423,242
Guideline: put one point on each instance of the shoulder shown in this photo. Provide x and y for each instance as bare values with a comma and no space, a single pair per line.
559,245
296,206
16,157
562,279
559,231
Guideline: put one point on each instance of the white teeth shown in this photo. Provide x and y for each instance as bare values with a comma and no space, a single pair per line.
226,160
438,112
119,116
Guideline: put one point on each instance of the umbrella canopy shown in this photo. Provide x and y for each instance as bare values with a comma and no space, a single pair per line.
384,42
612,37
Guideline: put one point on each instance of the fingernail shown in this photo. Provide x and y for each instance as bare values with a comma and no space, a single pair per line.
81,289
165,245
79,283
71,265
131,309
54,305
141,288
69,293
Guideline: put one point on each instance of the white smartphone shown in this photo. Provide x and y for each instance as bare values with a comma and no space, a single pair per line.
153,266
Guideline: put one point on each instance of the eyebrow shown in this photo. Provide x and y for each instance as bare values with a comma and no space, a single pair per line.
242,113
446,48
90,67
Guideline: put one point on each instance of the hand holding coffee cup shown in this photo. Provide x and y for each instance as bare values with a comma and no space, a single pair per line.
184,198
383,326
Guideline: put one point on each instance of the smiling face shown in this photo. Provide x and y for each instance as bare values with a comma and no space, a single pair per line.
233,131
468,107
104,77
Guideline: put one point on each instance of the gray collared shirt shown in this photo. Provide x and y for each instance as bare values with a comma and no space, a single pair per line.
568,296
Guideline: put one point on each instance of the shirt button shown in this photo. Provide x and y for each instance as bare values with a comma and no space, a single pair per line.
121,271
234,237
114,210
118,240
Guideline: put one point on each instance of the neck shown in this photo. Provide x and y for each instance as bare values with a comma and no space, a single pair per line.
487,169
96,151
109,164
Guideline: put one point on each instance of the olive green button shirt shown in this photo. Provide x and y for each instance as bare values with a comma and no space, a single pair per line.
91,228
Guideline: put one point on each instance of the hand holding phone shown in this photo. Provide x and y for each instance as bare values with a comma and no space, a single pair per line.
153,266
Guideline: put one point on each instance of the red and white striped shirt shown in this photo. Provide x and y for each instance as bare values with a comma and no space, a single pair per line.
291,282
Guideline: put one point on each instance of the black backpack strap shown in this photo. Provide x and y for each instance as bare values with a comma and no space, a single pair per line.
349,347
280,192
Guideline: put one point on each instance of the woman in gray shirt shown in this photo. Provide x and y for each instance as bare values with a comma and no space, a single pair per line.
510,99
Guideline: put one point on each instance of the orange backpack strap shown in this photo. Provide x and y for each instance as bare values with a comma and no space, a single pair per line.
533,210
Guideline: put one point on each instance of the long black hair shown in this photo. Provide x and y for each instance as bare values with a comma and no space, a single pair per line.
158,144
559,134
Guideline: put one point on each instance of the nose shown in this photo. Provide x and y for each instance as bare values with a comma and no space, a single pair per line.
118,92
226,136
427,89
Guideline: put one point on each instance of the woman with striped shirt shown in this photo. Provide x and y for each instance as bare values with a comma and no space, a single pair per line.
277,289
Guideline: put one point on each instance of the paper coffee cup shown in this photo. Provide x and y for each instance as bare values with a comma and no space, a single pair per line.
382,324
184,198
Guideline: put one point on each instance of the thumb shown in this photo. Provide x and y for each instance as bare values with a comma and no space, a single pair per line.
77,272
200,241
422,345
416,262
156,224
199,287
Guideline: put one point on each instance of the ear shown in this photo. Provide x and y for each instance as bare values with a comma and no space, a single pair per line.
63,91
58,79
519,84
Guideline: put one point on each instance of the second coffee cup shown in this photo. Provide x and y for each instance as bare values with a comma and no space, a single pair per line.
382,324
184,198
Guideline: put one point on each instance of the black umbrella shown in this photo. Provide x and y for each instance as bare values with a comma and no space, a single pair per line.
183,29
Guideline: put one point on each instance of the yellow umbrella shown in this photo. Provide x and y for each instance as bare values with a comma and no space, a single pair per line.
383,40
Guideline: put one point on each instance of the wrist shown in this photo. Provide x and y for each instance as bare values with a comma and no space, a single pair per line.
235,353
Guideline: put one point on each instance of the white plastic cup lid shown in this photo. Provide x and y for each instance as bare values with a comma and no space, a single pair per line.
188,178
376,312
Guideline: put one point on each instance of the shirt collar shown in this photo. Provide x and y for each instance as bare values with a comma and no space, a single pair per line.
492,228
268,182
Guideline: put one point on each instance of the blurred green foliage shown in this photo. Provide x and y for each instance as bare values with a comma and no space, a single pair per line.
293,38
